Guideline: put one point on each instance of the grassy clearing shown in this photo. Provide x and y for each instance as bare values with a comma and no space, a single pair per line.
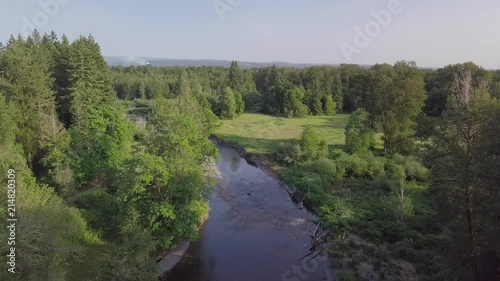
261,134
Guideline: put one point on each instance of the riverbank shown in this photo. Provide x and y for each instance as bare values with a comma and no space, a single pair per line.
167,260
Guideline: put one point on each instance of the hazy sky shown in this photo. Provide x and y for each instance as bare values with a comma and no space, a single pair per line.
430,32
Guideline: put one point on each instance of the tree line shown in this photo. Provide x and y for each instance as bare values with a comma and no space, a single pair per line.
293,92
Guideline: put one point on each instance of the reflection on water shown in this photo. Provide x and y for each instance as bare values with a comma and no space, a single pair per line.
234,163
255,231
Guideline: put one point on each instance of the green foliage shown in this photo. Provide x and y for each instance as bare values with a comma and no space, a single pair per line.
252,101
50,234
288,154
293,106
8,125
44,80
99,142
26,83
337,215
240,104
359,137
58,164
236,78
132,256
100,209
227,104
464,188
394,96
164,182
360,166
311,145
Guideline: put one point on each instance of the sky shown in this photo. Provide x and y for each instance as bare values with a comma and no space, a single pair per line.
433,33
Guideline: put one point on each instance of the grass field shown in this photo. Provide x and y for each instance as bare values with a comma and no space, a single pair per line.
261,134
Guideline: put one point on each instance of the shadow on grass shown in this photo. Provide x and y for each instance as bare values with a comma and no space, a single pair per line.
261,146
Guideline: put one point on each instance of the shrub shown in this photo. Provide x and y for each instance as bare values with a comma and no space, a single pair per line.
404,249
288,154
326,168
365,166
100,209
413,169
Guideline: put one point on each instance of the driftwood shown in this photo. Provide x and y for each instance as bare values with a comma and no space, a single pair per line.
316,230
308,254
319,253
283,184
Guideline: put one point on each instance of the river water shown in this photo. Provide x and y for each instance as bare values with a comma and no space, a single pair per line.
255,232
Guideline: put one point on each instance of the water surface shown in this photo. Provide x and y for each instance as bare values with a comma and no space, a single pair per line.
254,233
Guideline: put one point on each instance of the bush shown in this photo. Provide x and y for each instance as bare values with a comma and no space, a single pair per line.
326,168
100,209
337,215
393,231
288,154
404,249
414,170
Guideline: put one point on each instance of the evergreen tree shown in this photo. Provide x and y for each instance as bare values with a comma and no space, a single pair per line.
236,78
100,135
227,104
240,104
462,160
27,83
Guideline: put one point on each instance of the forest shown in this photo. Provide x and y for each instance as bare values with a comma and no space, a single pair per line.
416,183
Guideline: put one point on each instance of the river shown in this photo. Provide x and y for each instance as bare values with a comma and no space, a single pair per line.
255,232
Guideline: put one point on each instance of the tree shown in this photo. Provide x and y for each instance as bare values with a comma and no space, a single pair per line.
240,104
293,106
359,137
165,182
236,78
462,182
349,74
62,80
329,106
395,101
227,104
100,134
398,175
439,83
27,83
312,147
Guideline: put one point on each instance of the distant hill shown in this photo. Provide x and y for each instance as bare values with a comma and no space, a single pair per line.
128,61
